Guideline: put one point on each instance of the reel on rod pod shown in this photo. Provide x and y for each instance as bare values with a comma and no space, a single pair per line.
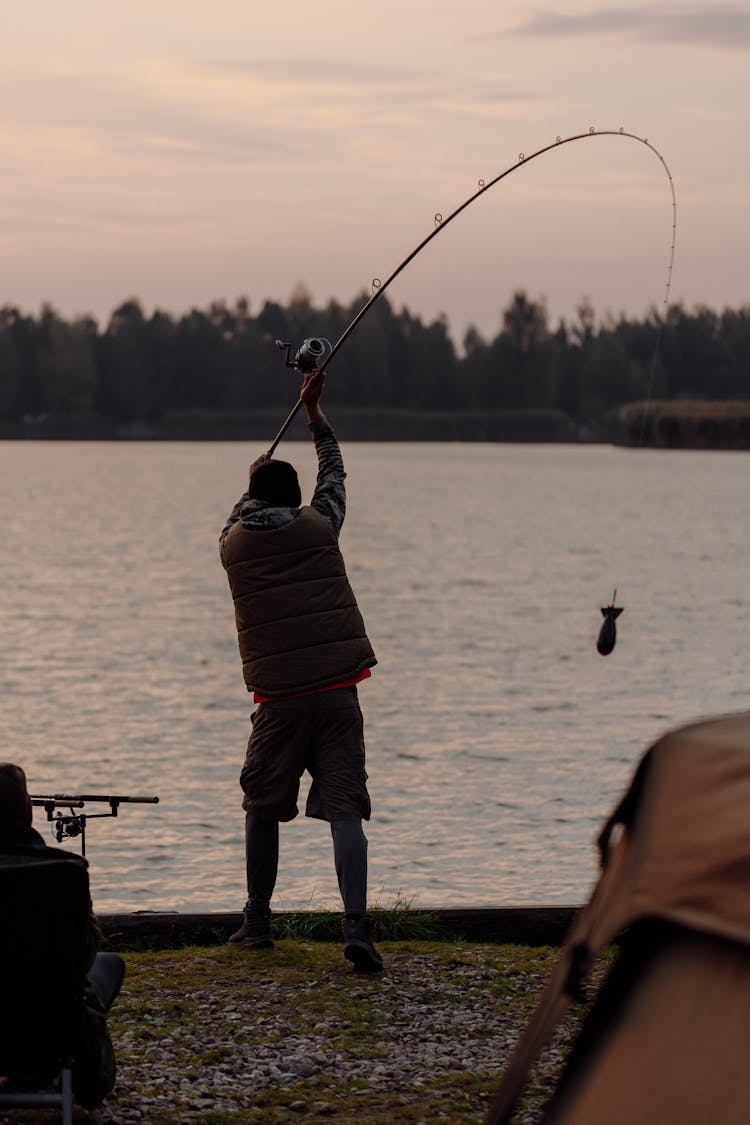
309,354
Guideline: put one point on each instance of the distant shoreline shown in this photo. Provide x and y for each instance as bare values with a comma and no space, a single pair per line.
663,425
350,423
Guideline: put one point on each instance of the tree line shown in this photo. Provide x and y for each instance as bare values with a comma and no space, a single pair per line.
141,368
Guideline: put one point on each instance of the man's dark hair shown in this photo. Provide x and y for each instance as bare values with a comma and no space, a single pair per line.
276,482
15,803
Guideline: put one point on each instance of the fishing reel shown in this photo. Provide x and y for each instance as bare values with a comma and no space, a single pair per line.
67,826
309,354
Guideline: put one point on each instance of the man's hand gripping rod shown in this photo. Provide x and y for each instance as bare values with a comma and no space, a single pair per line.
67,826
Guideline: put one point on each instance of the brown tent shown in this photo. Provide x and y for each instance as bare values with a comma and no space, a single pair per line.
667,1039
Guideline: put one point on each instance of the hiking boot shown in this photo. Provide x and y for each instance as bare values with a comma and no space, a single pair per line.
255,931
358,946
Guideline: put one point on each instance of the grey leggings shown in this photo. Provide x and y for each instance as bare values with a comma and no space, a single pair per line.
349,856
106,975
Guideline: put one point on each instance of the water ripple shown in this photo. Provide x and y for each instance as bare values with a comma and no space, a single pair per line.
498,740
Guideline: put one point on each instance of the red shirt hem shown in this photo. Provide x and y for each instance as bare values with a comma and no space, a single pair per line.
318,691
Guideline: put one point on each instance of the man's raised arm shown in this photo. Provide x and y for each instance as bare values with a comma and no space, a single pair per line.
329,497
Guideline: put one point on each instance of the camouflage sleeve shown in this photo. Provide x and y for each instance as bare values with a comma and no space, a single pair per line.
329,497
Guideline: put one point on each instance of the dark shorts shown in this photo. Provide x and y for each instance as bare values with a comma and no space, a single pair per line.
320,733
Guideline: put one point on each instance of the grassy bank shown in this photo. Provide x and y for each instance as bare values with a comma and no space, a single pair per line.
219,1035
509,925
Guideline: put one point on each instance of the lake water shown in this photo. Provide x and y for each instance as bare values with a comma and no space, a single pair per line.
498,739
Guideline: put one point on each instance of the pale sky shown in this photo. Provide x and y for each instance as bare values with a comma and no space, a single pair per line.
186,152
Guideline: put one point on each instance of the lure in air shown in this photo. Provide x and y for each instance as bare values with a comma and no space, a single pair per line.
607,638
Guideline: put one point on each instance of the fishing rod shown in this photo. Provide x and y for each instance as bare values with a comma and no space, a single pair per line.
67,826
312,352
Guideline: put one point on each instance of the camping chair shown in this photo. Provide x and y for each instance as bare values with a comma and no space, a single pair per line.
666,1039
43,962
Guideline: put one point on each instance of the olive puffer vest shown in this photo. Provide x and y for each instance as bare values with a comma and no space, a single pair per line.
298,625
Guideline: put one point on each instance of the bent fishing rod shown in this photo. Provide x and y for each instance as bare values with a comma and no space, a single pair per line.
312,352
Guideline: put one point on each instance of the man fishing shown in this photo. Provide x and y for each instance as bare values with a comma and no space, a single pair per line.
304,650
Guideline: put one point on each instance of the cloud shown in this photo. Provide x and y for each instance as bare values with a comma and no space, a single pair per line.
129,117
334,79
234,112
298,71
726,27
507,97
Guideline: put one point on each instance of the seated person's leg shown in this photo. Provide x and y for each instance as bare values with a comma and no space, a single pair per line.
106,975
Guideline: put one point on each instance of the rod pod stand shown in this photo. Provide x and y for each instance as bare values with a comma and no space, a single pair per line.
68,826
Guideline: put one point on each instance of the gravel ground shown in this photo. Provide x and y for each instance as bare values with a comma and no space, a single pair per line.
222,1035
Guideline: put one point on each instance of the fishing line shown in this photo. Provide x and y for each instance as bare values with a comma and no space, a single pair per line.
607,638
440,223
667,289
